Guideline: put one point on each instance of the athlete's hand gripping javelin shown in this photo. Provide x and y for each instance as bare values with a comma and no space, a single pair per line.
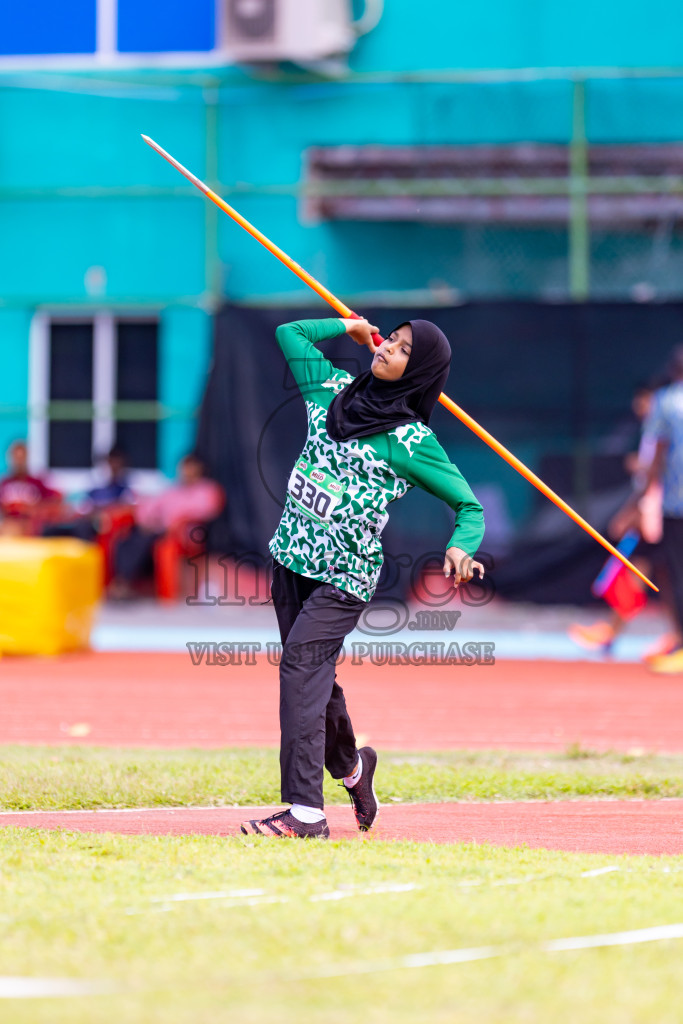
361,331
462,565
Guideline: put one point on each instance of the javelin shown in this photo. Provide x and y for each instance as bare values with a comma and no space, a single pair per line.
346,312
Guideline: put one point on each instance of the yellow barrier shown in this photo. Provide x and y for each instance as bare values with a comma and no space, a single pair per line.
49,591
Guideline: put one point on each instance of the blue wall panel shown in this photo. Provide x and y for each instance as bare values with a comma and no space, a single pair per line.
146,26
46,26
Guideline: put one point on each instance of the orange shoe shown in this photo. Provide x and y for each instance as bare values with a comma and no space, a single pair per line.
598,637
666,644
668,664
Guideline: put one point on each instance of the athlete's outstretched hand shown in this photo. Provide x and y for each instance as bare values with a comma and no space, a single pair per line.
361,331
462,565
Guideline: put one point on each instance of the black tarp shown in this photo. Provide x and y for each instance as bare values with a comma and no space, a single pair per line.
559,376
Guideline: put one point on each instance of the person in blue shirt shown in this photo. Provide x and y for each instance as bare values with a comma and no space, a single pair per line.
116,489
85,523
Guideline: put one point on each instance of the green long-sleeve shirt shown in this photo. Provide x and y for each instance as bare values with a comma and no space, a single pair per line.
338,491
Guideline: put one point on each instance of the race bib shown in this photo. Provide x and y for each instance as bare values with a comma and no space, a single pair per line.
314,491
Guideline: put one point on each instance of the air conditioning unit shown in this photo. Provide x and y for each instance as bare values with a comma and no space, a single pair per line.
298,30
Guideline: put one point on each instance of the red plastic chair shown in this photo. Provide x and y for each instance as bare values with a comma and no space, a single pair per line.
185,540
115,523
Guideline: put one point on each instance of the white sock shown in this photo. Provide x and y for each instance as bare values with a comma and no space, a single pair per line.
309,815
351,780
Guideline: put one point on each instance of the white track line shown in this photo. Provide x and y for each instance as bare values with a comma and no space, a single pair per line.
182,808
39,988
176,809
457,956
259,897
230,894
372,890
478,882
658,934
446,956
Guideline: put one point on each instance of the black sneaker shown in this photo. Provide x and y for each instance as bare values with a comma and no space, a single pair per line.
362,795
285,826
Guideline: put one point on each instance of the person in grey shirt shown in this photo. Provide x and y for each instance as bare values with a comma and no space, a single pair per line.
665,427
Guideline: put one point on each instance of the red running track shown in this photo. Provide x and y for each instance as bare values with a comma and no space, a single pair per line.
612,827
162,700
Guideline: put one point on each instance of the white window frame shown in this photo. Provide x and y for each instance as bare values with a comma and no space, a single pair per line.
69,481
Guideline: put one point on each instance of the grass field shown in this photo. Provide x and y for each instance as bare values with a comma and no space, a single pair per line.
200,928
52,778
315,932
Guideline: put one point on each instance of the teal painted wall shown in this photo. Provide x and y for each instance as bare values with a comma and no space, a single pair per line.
523,33
78,188
185,350
14,342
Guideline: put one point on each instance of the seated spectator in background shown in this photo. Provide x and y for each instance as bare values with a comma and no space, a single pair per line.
25,501
193,500
113,490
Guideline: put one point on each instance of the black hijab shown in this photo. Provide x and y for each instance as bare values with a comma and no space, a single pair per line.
368,405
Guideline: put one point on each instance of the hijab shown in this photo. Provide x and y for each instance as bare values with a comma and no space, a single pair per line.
368,404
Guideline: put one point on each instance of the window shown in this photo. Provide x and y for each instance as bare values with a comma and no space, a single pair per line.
186,25
70,441
83,33
46,27
93,384
136,381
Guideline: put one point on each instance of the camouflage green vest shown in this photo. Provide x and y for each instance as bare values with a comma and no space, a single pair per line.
338,540
338,491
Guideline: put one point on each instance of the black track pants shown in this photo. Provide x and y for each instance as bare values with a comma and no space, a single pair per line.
315,728
133,554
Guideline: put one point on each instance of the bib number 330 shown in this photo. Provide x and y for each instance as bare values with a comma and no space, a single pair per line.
314,491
